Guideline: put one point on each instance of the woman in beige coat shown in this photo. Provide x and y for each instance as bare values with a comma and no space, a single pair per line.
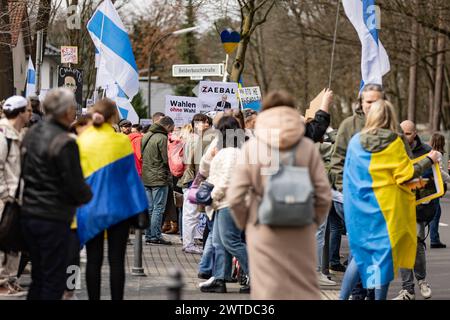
281,260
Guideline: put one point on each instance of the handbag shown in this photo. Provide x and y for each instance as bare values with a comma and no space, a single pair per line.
11,236
203,195
194,188
141,221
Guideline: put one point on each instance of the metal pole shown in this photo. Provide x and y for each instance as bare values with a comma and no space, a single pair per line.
39,49
137,269
175,284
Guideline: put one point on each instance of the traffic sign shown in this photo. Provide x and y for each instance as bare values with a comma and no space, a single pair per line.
198,70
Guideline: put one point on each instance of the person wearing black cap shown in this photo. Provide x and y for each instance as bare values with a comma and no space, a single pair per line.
125,126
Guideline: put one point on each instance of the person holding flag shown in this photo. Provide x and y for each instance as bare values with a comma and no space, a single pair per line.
379,206
108,165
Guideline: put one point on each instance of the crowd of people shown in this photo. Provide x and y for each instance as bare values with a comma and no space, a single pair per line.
224,184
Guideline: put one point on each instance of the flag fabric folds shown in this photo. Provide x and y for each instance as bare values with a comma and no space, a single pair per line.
107,160
380,213
124,106
111,40
374,58
31,80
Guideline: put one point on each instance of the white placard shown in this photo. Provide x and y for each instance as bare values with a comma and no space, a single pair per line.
197,70
218,96
181,109
69,54
250,98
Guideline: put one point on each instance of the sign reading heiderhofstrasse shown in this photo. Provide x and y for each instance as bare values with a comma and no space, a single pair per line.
198,70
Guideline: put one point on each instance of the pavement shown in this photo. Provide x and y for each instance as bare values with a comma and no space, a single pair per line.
159,260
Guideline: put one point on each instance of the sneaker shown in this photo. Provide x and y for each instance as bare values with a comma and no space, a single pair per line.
160,241
194,250
337,268
216,286
324,281
12,290
439,245
405,295
207,282
245,285
425,289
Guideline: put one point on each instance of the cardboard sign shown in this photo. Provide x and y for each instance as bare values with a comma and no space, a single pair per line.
69,54
181,109
429,186
72,79
218,96
314,106
250,98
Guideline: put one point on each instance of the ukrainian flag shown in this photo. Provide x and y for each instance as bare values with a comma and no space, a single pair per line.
380,212
107,160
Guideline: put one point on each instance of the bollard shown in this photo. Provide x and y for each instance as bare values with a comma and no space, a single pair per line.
175,284
137,269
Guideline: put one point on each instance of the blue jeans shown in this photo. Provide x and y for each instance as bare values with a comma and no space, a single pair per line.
206,263
434,225
337,228
351,278
227,242
157,200
320,240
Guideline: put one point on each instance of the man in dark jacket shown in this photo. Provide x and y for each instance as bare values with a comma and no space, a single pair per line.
54,188
156,176
418,149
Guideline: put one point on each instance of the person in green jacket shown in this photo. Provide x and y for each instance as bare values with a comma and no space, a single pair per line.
348,128
156,176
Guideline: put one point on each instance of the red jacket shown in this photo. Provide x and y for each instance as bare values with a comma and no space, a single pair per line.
136,139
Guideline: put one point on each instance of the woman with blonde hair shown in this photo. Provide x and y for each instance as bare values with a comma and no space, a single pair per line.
380,212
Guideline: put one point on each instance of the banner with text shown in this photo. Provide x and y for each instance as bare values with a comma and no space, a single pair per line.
250,98
181,109
218,96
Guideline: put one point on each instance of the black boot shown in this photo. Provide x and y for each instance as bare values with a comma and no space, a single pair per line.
217,286
245,284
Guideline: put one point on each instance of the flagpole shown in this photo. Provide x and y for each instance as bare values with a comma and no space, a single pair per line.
334,44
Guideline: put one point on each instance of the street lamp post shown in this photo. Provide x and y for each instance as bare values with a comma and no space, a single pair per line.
137,269
154,45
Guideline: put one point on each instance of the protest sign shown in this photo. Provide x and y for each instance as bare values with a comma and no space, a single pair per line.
250,98
69,54
181,109
218,96
314,106
72,79
145,122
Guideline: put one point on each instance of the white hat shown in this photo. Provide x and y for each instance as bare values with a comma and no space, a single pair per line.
15,102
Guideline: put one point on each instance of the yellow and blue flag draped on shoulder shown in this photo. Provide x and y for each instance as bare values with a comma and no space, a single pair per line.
380,212
108,165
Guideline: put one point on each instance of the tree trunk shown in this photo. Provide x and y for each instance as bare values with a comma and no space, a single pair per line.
239,61
431,71
6,62
412,101
439,83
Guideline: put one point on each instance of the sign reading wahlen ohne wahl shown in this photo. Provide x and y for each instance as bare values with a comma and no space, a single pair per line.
181,109
72,79
197,70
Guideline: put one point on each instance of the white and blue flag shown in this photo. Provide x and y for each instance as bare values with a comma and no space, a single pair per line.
124,106
374,58
31,80
111,39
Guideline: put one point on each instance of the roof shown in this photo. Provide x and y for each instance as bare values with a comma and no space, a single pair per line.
17,15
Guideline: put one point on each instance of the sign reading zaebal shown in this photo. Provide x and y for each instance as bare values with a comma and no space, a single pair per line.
181,109
218,96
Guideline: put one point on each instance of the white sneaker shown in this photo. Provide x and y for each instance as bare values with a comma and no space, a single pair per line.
207,282
405,295
425,289
324,281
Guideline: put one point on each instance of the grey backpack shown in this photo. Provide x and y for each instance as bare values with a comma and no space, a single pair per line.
288,199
